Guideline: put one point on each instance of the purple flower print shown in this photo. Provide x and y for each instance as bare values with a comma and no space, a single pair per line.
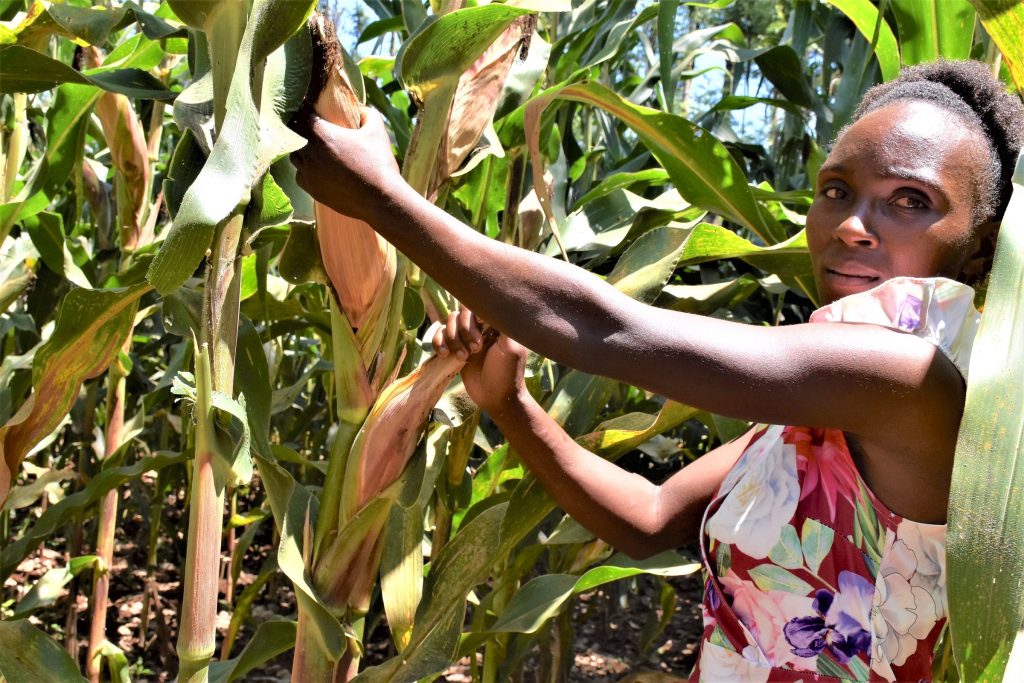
840,625
909,314
714,599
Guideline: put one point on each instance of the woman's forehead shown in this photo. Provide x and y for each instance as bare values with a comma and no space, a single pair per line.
911,139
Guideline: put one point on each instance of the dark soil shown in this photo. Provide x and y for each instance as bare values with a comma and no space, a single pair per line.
608,624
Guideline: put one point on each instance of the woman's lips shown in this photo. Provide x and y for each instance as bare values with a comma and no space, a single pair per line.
852,276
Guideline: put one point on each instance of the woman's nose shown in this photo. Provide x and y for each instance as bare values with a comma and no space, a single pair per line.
855,232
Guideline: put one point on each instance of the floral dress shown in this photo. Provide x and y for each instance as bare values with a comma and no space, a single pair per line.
808,575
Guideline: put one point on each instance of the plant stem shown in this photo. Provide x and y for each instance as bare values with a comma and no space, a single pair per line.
214,372
107,524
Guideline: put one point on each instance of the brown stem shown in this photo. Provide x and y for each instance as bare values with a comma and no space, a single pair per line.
197,635
106,526
75,527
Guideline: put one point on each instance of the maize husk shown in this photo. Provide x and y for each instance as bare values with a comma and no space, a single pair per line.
477,96
387,439
360,264
129,154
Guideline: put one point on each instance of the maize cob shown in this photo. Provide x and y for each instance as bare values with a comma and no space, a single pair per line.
360,264
129,154
477,96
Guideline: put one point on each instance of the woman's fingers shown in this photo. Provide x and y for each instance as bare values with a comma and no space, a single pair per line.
440,347
469,330
453,339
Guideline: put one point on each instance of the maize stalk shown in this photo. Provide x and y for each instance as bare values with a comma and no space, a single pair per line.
129,153
112,438
196,635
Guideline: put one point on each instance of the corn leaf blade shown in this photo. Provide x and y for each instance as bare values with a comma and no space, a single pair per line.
1004,22
252,137
29,654
985,550
930,29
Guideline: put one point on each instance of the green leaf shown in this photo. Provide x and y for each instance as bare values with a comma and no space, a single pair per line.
58,514
90,24
47,232
91,327
872,26
784,68
438,53
930,29
647,265
706,299
271,638
27,494
985,547
1004,22
786,552
816,542
29,655
769,577
544,596
50,585
666,30
25,70
292,504
462,564
251,139
700,167
709,242
117,662
535,603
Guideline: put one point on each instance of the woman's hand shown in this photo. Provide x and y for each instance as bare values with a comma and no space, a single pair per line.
350,170
494,374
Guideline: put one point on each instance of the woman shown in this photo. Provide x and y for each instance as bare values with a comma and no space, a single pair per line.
824,541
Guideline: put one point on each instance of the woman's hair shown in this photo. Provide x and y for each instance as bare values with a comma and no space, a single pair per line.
967,90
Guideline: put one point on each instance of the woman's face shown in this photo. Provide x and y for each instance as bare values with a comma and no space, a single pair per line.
895,197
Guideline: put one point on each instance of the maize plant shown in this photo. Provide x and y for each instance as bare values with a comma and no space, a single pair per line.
380,418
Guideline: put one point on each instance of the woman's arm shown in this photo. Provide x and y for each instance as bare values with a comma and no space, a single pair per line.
632,514
626,510
873,382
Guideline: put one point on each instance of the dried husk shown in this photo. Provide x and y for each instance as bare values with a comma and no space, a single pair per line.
478,95
360,264
129,154
387,439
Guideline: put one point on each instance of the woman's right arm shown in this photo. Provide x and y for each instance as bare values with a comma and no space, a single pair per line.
631,513
626,510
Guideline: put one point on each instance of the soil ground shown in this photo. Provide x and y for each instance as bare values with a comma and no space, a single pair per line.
608,624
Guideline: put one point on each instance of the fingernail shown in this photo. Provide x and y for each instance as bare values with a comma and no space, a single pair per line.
442,350
462,355
475,346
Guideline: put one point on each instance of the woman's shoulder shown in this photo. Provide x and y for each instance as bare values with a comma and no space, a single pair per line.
938,310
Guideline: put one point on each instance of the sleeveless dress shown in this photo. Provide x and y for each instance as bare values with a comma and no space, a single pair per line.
809,577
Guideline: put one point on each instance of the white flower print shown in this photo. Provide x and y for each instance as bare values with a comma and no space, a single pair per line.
722,665
904,609
763,498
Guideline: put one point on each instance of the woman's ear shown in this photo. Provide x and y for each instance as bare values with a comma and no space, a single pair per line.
978,264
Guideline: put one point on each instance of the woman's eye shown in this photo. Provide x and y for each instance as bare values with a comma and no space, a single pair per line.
906,202
834,193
